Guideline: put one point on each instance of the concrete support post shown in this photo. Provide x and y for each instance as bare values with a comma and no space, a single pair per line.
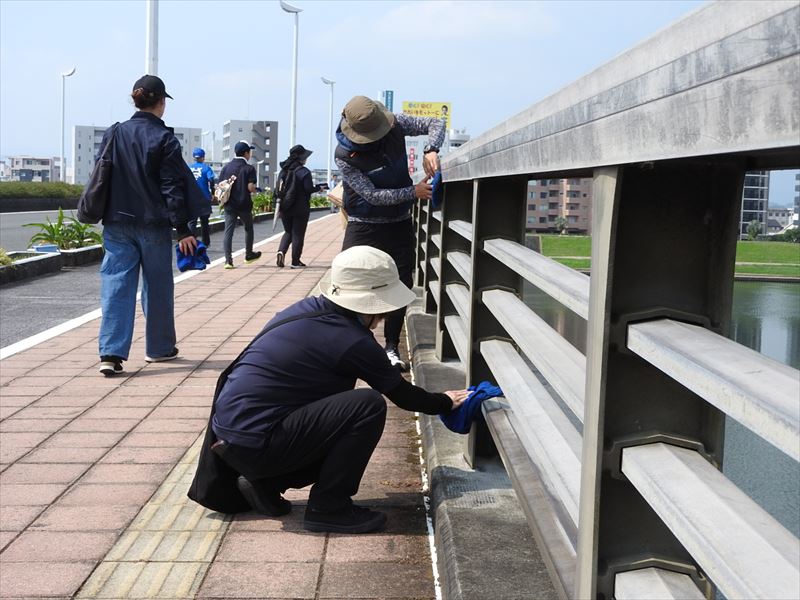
498,211
457,206
663,244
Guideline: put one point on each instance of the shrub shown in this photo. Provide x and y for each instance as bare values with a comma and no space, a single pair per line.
5,259
66,235
39,189
319,201
793,235
262,202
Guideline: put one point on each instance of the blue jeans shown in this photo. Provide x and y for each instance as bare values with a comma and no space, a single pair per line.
128,248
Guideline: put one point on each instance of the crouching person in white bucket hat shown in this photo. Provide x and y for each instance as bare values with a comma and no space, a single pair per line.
288,414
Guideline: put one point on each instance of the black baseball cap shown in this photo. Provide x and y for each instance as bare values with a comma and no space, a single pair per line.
151,84
242,147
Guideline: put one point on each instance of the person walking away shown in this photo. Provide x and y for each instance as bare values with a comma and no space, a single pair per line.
378,191
240,204
204,176
288,415
295,206
148,198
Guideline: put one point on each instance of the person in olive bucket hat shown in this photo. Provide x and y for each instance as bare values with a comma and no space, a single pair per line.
378,190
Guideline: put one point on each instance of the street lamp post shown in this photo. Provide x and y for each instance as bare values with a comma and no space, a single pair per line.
293,121
64,75
151,42
329,82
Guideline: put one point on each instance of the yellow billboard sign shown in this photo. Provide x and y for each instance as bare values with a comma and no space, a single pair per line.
439,110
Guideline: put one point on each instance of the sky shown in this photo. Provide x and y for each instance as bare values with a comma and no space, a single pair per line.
232,59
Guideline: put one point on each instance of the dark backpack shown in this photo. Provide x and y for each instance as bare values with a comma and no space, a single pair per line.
285,187
94,198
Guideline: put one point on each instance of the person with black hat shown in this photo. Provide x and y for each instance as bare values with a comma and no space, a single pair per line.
295,186
148,198
240,204
378,191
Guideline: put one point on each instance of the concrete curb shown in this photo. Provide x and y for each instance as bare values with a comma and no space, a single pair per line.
484,545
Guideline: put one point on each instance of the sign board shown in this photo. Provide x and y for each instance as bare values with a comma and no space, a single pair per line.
387,97
440,110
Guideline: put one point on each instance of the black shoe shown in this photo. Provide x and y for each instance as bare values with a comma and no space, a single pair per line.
263,501
299,265
279,259
355,519
248,258
171,356
110,365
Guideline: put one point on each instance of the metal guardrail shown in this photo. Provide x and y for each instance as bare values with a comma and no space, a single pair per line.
616,455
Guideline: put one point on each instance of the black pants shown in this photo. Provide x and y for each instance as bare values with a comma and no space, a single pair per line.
230,224
327,443
397,240
294,233
206,233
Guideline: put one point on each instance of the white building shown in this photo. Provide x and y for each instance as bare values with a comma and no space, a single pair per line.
34,168
86,145
261,134
755,200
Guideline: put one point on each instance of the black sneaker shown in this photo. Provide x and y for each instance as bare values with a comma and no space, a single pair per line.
299,265
261,500
110,365
279,259
355,519
171,356
393,354
252,256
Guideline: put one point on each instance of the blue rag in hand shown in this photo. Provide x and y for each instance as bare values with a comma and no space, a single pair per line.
437,191
460,420
196,261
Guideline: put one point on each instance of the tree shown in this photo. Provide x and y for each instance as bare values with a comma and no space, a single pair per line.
561,225
753,229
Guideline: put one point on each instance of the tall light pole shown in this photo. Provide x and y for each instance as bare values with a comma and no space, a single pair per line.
64,75
151,41
329,82
293,122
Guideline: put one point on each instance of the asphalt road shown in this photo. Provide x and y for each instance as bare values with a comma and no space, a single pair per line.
34,305
13,236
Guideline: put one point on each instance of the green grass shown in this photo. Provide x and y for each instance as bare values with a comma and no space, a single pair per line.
784,270
566,245
768,252
575,263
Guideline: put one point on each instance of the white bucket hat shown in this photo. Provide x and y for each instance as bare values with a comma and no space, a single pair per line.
365,280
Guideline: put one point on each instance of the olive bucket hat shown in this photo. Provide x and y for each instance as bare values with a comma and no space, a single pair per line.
364,120
365,280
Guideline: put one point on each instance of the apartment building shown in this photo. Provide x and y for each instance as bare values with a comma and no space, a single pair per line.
755,201
34,168
261,134
549,199
86,145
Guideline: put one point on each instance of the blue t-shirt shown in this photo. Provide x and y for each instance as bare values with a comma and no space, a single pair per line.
295,364
203,175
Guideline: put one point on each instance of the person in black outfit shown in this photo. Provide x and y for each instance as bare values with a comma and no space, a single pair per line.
240,203
288,414
295,208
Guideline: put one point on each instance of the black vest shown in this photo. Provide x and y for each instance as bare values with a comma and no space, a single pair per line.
386,167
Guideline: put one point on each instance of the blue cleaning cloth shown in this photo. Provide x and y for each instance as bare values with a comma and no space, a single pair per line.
438,190
196,261
460,420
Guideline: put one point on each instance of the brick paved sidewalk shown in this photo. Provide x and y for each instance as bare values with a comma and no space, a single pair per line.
94,471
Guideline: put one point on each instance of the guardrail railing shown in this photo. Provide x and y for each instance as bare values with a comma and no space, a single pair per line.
616,455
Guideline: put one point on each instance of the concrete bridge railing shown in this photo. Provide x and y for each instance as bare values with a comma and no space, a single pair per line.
617,455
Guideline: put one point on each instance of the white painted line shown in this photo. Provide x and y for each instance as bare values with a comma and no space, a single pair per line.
48,334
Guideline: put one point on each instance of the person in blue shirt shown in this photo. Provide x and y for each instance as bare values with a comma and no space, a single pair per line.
204,176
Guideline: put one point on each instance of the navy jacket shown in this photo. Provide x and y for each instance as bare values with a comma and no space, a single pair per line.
149,176
240,199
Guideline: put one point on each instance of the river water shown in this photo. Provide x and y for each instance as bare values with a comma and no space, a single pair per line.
766,318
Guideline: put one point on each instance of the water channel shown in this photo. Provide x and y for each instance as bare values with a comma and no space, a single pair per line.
766,318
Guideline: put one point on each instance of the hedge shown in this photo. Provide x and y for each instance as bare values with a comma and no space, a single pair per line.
39,189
